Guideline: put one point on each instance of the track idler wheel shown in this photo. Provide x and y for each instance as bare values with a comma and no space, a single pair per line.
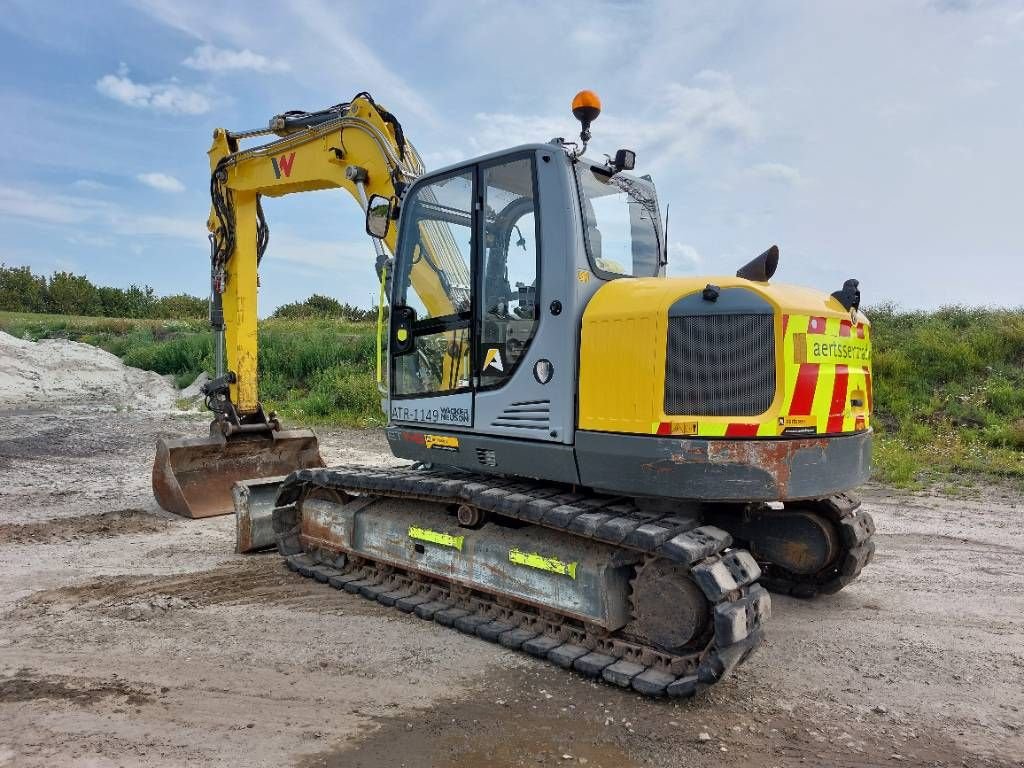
669,610
808,547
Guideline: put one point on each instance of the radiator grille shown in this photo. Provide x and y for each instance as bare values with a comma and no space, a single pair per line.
720,365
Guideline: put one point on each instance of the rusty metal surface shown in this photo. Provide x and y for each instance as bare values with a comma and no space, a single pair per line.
596,592
799,540
324,547
193,477
668,607
254,508
757,469
808,547
620,658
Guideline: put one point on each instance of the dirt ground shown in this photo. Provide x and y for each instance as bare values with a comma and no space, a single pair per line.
129,637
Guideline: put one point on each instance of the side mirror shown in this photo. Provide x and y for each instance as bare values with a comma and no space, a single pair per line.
378,215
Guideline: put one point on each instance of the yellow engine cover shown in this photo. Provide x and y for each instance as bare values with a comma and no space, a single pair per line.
822,360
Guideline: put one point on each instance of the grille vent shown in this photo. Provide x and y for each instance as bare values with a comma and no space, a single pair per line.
525,415
486,457
720,365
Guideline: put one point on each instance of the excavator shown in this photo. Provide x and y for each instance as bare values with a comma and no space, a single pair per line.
609,468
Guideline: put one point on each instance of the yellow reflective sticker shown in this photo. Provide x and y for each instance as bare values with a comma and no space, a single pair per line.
435,537
805,425
684,427
442,442
542,563
832,350
798,421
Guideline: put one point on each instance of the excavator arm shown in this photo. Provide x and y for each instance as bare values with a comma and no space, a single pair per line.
357,146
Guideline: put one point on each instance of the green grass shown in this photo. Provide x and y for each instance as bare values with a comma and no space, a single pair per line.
948,385
949,393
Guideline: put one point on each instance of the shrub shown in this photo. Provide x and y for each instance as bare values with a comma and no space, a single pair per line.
70,294
135,301
180,306
21,291
324,307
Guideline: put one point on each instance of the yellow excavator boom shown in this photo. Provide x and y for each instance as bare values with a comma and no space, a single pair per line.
358,147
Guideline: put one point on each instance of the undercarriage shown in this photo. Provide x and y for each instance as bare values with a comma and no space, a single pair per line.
615,588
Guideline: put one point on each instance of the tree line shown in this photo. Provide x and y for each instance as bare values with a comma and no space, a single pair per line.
318,306
65,293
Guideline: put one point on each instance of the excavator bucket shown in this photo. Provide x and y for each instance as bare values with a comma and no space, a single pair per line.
193,477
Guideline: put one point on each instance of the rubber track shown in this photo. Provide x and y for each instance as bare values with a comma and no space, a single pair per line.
726,576
856,529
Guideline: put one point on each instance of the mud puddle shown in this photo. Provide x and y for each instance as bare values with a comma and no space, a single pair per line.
69,529
548,717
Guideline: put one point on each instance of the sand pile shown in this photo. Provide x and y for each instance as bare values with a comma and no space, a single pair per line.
57,370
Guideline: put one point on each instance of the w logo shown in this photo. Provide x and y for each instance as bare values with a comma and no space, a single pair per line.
283,164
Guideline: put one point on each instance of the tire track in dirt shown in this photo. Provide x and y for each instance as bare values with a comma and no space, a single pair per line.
25,685
255,580
69,529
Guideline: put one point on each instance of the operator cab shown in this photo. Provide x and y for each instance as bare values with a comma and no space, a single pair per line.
496,259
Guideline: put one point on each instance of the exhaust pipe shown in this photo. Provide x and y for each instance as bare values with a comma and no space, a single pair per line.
762,268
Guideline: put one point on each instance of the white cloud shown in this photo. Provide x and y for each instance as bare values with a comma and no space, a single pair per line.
442,157
323,41
955,6
333,42
357,257
977,85
161,97
127,223
709,109
685,119
209,58
89,185
49,209
102,217
776,172
161,181
683,259
91,241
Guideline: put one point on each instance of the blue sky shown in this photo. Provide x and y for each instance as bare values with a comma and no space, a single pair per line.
877,140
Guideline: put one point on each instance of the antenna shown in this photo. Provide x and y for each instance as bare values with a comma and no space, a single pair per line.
664,256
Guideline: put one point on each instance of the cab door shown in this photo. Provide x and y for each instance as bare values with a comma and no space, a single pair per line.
479,339
432,305
509,401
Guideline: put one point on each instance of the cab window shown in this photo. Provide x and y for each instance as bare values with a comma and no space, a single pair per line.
508,305
435,279
621,222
